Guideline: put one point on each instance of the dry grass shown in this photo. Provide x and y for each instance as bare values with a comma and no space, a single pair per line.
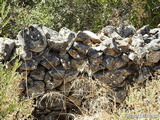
143,103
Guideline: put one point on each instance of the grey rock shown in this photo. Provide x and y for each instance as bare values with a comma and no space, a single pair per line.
108,30
124,45
87,37
38,74
153,45
59,41
79,64
153,56
75,54
111,46
126,31
81,47
137,41
36,90
29,65
93,37
24,54
57,73
67,34
112,63
6,47
65,61
33,38
94,52
51,60
144,30
132,56
112,78
95,60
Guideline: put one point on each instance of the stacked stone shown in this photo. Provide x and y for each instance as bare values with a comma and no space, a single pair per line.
60,66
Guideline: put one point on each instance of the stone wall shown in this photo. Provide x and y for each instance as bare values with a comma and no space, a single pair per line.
65,70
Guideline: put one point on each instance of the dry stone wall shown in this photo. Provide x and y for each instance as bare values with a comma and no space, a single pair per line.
61,68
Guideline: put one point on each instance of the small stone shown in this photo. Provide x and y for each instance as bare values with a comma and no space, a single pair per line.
108,30
93,53
79,64
153,56
38,74
132,56
123,45
75,54
112,63
6,47
57,73
111,46
112,78
81,47
24,54
65,61
29,65
93,37
144,30
51,60
126,31
67,34
153,45
36,90
33,38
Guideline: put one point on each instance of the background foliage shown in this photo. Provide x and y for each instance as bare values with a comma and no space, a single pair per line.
76,14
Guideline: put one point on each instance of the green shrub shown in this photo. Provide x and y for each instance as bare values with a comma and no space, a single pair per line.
11,106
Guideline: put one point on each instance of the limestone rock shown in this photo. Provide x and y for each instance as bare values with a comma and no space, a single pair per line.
57,73
112,63
112,78
87,37
81,47
37,89
33,38
153,45
75,54
126,31
144,30
29,65
51,60
38,74
79,64
24,54
59,41
108,30
6,47
153,56
65,61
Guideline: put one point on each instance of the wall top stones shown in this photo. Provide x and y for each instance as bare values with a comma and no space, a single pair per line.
56,61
